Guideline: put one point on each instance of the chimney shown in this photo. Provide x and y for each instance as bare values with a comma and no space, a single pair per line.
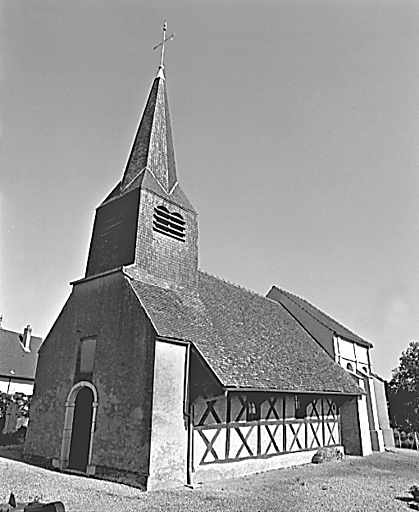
26,340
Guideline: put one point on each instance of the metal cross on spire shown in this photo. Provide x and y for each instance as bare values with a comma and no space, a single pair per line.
164,40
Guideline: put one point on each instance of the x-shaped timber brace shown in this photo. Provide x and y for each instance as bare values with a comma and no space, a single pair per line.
270,434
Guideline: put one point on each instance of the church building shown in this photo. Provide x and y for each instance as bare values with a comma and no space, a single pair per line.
156,373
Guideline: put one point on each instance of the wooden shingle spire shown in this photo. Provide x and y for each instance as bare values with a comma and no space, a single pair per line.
153,143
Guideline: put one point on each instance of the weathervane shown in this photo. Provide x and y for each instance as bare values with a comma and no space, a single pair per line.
164,40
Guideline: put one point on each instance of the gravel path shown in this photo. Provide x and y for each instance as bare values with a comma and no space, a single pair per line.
376,483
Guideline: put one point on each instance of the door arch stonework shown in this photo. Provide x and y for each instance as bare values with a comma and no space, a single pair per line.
70,405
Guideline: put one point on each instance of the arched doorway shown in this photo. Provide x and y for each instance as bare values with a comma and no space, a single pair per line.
81,431
79,428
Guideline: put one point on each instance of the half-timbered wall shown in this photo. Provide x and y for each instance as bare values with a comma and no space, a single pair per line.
355,358
236,427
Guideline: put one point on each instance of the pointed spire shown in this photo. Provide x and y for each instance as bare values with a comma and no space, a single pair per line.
153,143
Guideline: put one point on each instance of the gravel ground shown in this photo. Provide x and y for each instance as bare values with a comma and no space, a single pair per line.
376,483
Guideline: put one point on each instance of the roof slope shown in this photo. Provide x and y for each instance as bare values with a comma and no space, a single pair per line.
325,319
14,358
248,340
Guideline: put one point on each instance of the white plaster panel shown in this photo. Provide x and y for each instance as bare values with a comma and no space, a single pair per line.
314,435
267,446
346,349
361,354
366,448
336,433
220,443
236,443
200,446
15,386
299,429
345,362
336,348
169,434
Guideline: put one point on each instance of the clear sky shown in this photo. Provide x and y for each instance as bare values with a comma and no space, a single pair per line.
296,136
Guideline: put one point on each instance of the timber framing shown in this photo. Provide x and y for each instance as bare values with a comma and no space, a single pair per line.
223,433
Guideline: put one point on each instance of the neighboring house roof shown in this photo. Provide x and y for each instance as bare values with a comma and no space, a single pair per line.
248,340
13,358
324,319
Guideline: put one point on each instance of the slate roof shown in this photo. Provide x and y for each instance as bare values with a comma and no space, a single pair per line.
14,357
153,143
249,341
151,163
325,319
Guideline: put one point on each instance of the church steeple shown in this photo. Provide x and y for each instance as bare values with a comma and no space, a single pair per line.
153,144
147,224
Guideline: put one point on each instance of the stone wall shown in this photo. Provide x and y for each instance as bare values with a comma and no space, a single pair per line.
107,309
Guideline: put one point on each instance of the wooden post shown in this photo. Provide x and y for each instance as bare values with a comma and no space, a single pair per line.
228,421
189,462
188,412
284,434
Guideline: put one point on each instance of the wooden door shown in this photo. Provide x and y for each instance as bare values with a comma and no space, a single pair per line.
81,431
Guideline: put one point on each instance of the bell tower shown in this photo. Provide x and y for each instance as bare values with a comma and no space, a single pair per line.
147,224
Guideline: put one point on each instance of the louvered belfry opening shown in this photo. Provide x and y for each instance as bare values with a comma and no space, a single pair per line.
169,223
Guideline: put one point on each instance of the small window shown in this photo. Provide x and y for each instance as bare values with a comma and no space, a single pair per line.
350,367
86,357
253,411
169,223
365,369
300,410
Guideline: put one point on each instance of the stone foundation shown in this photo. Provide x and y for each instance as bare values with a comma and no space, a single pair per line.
211,472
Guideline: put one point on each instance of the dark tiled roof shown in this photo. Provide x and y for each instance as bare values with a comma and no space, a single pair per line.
153,144
325,319
248,340
14,357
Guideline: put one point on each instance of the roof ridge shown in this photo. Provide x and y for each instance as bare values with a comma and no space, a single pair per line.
292,295
241,287
308,312
2,329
